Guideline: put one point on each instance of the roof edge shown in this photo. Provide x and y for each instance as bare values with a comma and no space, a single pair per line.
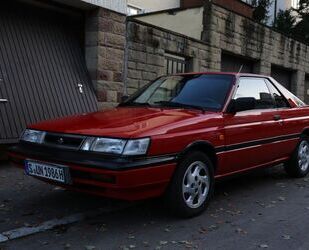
165,11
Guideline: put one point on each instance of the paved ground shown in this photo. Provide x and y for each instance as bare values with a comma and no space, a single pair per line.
262,210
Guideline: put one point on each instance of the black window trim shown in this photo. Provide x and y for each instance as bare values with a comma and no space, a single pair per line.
255,77
269,82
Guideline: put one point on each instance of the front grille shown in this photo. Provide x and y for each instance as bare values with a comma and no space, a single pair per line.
63,140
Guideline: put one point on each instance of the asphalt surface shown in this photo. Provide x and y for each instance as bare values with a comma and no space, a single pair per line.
261,210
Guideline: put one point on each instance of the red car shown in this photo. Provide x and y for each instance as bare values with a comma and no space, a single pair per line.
174,137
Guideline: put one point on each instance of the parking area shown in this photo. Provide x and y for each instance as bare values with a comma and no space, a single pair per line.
264,209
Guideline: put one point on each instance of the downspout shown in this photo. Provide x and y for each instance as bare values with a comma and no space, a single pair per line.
126,58
275,14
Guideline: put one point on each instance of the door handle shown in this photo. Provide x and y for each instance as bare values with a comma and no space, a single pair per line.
80,88
3,100
277,117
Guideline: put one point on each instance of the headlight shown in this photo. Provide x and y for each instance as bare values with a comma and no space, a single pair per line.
33,136
116,146
104,145
137,147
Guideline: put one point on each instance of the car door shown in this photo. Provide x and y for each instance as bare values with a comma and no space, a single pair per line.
293,121
250,135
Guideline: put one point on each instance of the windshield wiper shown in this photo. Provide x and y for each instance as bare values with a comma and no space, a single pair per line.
135,104
180,105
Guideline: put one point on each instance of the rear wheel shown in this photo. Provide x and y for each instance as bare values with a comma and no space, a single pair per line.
298,165
192,185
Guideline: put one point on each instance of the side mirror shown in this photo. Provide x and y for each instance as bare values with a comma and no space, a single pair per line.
241,104
124,98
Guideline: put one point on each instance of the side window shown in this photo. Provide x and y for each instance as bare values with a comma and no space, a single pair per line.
255,88
280,101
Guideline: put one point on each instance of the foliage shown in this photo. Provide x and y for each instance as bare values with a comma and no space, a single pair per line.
293,22
261,11
303,7
285,21
301,28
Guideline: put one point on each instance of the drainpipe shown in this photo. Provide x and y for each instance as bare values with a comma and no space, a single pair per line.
126,58
275,14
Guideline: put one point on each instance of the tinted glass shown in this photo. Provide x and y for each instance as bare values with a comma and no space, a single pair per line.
206,91
257,89
279,99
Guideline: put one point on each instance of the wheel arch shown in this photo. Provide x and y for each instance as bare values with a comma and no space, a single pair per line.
203,146
305,132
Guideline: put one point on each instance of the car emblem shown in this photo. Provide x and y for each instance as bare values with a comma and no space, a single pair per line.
60,141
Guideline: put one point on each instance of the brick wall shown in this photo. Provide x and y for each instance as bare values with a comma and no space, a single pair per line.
227,31
233,5
236,6
105,46
191,3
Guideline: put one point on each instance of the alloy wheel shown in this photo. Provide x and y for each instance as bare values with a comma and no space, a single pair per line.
196,184
303,155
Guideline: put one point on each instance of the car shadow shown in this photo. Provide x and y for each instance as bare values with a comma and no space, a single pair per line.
47,202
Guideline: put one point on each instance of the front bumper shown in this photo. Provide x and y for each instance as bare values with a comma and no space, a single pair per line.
120,178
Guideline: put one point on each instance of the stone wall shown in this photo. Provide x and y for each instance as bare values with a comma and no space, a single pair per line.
105,46
226,31
146,49
123,56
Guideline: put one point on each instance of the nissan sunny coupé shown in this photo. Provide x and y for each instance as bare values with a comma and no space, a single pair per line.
173,138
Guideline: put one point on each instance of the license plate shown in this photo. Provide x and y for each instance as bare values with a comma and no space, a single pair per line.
52,172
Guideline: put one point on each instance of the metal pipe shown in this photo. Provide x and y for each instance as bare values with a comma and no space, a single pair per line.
275,14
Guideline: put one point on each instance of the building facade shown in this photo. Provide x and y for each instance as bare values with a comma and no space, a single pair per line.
144,6
136,7
227,41
116,5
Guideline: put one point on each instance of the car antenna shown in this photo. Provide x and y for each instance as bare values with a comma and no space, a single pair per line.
240,69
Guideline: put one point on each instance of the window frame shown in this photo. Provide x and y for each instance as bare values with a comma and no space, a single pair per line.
256,78
270,83
184,61
221,110
267,81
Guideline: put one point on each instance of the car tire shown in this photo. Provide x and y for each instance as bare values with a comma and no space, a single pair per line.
192,185
298,165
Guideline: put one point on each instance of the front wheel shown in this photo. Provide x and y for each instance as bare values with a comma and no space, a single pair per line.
192,185
298,165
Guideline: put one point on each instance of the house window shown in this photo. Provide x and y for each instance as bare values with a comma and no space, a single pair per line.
295,3
176,64
134,10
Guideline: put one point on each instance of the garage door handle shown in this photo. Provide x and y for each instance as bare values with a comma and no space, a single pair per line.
277,117
3,100
80,88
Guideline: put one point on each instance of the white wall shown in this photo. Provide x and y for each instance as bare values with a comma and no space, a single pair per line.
116,5
155,5
188,22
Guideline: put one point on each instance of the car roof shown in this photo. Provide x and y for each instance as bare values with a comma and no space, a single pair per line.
225,73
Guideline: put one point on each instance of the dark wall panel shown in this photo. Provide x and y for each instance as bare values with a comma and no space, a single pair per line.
230,63
41,67
282,76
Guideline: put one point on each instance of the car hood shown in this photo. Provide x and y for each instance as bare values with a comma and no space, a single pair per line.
122,122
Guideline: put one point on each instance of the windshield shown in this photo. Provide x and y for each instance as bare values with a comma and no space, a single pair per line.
206,92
